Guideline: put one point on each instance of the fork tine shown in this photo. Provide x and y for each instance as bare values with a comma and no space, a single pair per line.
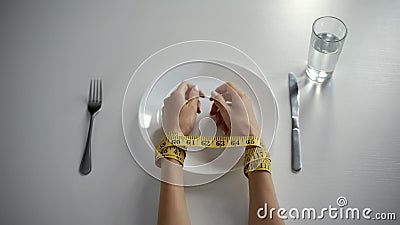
97,90
94,91
90,91
101,91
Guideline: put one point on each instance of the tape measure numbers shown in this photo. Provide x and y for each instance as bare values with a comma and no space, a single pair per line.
179,140
174,145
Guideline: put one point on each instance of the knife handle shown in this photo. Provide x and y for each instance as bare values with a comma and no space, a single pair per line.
296,150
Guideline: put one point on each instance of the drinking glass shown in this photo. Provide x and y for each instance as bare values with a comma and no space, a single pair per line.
327,39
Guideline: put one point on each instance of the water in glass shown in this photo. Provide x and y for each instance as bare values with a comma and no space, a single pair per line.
323,55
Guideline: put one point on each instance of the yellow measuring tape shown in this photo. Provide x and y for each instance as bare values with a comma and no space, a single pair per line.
177,139
174,145
171,152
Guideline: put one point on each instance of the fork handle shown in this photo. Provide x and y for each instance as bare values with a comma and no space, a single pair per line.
86,163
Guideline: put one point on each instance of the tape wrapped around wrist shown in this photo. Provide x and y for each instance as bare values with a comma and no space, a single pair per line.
174,146
170,152
166,149
256,159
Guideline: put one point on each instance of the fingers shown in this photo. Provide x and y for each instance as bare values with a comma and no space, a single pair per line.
226,95
198,107
202,95
218,98
227,87
183,87
225,128
230,91
222,118
219,105
193,101
199,94
232,85
214,109
194,93
187,94
188,113
219,121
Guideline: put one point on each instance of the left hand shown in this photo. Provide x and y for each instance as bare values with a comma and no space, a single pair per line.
180,109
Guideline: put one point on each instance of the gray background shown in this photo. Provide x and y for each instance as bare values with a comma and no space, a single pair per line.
50,49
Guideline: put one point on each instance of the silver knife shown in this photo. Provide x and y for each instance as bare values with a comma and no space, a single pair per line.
294,103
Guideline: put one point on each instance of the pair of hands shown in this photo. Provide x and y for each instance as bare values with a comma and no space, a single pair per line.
232,110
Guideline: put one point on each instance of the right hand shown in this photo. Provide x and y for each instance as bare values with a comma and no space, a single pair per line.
233,111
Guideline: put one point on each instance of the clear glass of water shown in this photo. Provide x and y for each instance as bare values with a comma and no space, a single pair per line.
327,39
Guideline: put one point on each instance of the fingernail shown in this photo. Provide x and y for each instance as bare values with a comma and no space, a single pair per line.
196,88
213,94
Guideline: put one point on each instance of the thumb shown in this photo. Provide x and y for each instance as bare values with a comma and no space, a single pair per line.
193,101
219,100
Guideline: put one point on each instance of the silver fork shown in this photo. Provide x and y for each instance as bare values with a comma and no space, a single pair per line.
94,106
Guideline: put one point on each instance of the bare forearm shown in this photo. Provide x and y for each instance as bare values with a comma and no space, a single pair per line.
262,191
172,206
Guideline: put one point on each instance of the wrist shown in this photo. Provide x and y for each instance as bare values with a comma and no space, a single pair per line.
173,161
258,173
256,159
171,172
168,163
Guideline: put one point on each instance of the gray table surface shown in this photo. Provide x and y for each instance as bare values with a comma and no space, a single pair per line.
50,49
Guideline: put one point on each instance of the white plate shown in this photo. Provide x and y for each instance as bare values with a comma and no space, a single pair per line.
203,63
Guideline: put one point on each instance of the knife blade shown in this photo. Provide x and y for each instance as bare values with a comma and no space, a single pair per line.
294,95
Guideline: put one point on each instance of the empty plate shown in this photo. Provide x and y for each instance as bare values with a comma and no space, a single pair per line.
160,74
